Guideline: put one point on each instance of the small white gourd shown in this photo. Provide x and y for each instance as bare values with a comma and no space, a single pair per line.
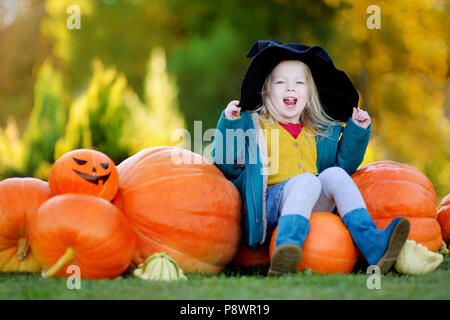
416,259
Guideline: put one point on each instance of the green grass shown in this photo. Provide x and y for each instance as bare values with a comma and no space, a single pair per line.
235,284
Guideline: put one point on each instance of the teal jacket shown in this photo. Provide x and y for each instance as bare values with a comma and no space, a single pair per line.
240,152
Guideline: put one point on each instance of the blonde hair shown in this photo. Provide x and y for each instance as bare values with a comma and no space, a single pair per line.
313,115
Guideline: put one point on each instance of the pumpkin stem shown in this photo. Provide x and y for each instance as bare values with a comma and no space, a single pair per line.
67,257
22,248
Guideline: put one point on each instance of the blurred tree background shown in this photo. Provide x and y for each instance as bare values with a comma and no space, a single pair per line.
137,70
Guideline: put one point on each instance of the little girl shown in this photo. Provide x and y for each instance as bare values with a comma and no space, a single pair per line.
291,154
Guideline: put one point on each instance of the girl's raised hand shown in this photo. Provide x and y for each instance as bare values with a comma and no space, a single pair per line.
361,118
232,111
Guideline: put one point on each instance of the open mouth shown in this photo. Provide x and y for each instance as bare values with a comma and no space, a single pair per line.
290,102
93,179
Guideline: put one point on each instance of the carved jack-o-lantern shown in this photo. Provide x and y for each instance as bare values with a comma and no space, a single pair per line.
85,171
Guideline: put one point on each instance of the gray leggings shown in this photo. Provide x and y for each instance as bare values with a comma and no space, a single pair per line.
306,193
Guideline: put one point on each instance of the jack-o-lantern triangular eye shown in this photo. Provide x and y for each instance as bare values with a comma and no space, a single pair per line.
104,165
80,162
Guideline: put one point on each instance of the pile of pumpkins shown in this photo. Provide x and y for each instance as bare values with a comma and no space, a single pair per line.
106,219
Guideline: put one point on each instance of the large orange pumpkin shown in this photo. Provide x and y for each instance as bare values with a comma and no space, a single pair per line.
249,258
328,248
187,209
391,189
20,198
81,230
84,171
444,218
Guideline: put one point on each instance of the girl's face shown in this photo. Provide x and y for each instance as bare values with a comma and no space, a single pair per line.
287,90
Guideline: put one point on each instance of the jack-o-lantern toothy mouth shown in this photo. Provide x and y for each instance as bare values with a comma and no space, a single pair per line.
93,179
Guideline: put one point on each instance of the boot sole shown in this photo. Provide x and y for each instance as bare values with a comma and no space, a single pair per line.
285,259
398,238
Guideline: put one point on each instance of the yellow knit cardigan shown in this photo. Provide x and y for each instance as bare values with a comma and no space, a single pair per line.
288,156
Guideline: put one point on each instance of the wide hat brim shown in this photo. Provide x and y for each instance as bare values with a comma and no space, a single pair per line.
337,93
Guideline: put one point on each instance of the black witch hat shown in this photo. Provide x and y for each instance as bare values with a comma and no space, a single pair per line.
336,91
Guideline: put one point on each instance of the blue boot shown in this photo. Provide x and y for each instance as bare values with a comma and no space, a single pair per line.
379,247
292,232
